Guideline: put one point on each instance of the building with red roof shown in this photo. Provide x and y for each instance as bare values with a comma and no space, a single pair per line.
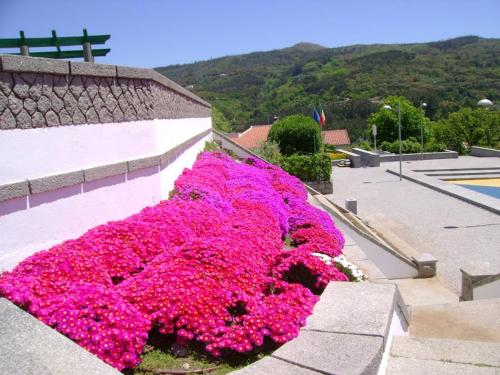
255,135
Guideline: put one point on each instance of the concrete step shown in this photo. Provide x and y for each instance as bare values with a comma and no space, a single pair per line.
473,320
411,355
423,292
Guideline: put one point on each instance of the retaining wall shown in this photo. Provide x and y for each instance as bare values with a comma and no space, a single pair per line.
484,152
448,154
84,144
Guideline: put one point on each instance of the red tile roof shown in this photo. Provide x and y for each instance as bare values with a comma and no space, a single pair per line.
257,134
253,136
336,137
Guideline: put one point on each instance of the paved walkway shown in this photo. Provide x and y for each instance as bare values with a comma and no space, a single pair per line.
416,218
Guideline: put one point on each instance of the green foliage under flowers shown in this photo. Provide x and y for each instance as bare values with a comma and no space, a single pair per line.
296,134
270,151
316,167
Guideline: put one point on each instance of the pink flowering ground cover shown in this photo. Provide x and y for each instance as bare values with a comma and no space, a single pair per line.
208,265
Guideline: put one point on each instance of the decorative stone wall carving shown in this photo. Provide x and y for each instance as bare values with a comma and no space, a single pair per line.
32,96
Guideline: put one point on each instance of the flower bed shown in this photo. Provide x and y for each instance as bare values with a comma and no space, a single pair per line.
208,265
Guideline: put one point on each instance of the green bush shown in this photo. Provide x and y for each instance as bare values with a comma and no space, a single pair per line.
434,146
297,134
408,146
316,167
364,145
412,146
270,151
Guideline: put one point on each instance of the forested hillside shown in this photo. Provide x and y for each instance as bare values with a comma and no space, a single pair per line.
348,81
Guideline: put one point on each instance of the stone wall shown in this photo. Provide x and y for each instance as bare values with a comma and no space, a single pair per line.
484,152
38,93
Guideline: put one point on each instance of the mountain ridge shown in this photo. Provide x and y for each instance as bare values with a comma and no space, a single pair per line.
349,81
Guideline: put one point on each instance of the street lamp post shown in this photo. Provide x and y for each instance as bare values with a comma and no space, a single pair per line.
423,106
387,106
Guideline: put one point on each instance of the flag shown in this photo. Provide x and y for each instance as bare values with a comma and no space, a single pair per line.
322,117
316,116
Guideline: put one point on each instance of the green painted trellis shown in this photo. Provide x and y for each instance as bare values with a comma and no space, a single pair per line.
86,41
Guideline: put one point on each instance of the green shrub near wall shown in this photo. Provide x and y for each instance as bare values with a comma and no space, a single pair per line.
316,167
297,134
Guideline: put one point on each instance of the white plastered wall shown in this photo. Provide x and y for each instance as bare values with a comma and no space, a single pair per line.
33,223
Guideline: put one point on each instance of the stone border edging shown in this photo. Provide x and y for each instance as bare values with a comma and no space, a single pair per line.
26,64
340,337
448,154
29,347
53,182
476,199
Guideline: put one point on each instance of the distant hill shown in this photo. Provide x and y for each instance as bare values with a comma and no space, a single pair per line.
348,81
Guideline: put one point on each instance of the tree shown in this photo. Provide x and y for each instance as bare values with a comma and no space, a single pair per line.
296,134
470,126
219,122
412,119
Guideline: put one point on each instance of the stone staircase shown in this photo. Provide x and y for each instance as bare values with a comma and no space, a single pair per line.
445,336
419,355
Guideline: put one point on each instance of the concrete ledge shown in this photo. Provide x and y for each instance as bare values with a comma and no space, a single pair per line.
484,152
23,64
131,72
368,158
28,347
346,334
274,366
40,185
448,154
332,353
354,308
97,173
14,190
466,195
48,183
355,159
475,277
161,79
28,64
91,69
141,163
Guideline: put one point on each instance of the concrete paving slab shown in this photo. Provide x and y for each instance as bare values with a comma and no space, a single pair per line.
372,314
409,366
29,347
333,353
432,291
274,366
473,320
354,253
457,351
370,269
456,233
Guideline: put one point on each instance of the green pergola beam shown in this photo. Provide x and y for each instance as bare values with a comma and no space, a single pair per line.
53,42
67,54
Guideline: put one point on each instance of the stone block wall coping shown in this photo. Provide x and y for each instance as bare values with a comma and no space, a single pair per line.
27,346
47,183
346,334
484,152
26,64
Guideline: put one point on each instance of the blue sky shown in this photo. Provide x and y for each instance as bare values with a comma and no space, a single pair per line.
152,33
